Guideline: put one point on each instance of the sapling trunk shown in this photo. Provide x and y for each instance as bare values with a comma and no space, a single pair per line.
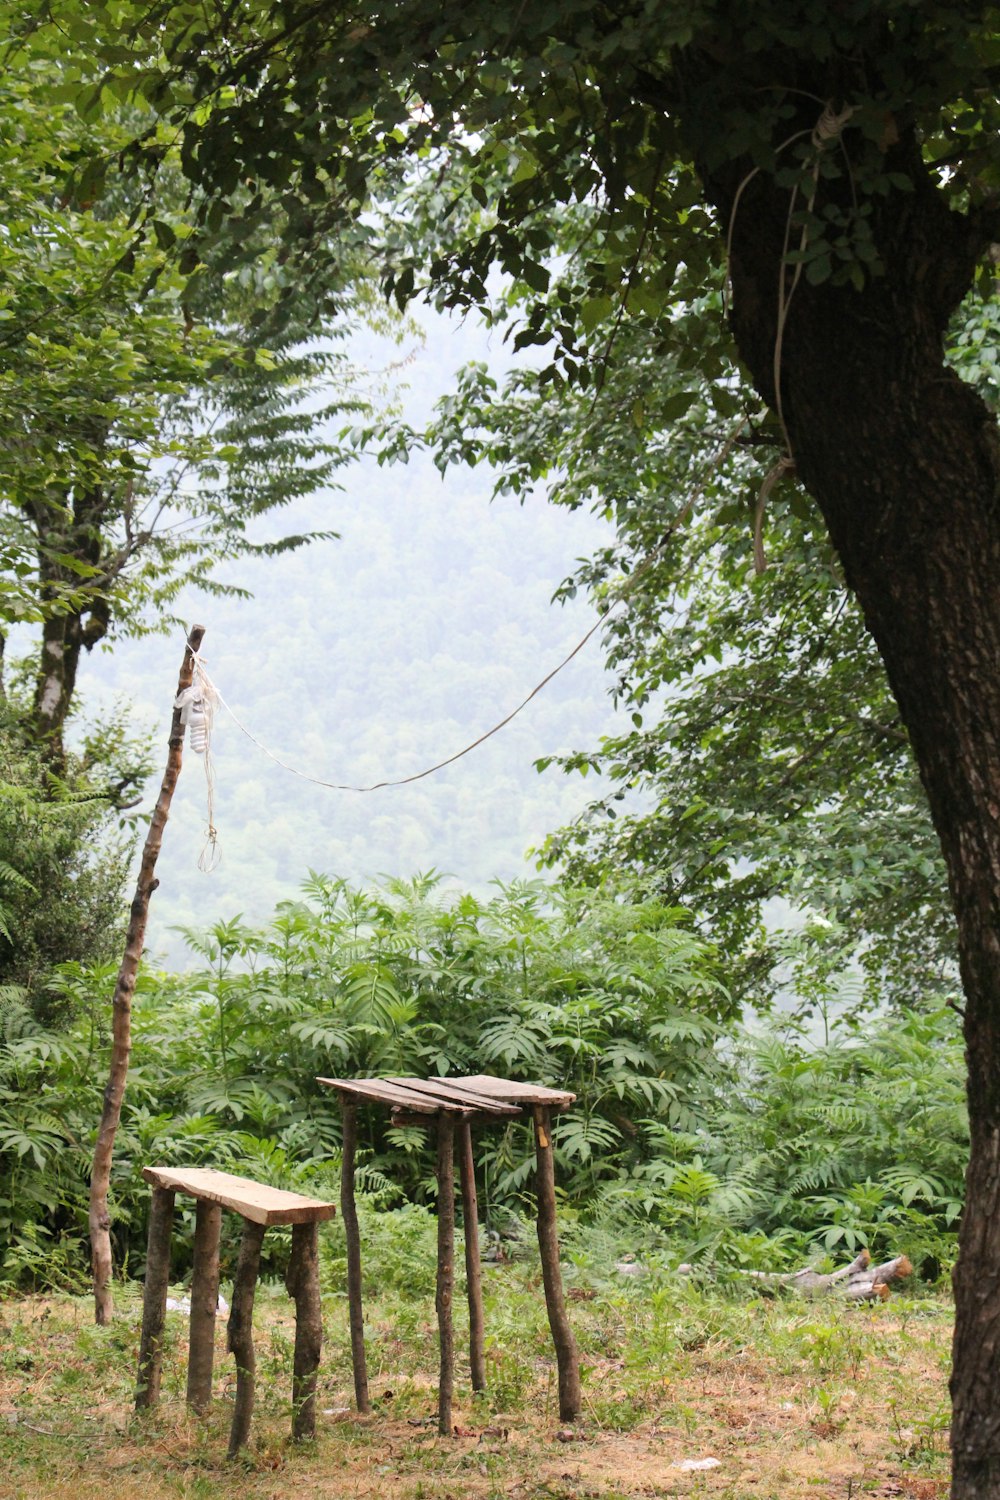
121,1039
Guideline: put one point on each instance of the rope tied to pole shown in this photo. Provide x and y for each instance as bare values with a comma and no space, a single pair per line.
198,705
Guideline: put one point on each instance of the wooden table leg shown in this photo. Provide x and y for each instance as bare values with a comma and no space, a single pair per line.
473,1271
349,1215
204,1303
241,1333
302,1281
154,1299
567,1358
445,1265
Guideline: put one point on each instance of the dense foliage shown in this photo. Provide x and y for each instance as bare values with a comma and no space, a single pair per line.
744,1149
149,432
64,852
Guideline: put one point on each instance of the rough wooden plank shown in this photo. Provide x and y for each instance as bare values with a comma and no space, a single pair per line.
255,1201
516,1093
390,1093
451,1092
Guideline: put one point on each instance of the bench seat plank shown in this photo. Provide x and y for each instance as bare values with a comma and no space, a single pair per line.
256,1202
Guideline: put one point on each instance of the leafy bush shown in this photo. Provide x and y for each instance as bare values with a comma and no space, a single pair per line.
690,1139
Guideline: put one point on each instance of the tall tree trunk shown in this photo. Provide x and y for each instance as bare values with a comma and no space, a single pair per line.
904,462
121,1037
72,529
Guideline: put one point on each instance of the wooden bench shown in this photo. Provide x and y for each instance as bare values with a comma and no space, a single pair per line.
259,1206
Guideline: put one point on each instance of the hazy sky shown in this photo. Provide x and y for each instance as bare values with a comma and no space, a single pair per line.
369,658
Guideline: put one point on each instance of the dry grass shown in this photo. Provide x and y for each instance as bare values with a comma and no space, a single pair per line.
794,1400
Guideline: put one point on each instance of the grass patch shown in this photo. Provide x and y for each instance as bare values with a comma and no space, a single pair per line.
794,1399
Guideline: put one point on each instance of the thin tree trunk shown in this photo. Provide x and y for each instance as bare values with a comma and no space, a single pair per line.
352,1236
904,461
240,1336
154,1298
445,1266
204,1304
302,1282
567,1359
121,1043
473,1269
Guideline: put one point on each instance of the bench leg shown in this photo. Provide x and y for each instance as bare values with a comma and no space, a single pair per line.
240,1337
204,1303
473,1273
567,1359
154,1299
445,1266
302,1281
352,1235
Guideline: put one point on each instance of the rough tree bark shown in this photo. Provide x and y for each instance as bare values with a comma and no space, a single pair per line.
445,1266
352,1236
121,1036
240,1333
68,630
473,1273
903,460
567,1357
302,1282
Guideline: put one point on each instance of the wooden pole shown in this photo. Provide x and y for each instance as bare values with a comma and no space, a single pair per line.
352,1234
154,1299
204,1303
302,1282
473,1270
121,1041
445,1265
567,1358
240,1336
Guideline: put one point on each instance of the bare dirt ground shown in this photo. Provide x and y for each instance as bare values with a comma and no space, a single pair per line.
791,1400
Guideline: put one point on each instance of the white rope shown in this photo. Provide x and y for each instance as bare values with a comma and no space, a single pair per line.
198,704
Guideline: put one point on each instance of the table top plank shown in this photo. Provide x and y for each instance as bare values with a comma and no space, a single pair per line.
387,1092
254,1200
515,1093
448,1089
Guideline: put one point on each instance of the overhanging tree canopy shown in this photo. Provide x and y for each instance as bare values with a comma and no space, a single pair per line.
838,166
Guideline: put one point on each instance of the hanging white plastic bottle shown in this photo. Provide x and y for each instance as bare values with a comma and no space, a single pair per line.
194,717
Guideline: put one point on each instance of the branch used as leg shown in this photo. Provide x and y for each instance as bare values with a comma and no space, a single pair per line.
352,1235
302,1281
473,1273
445,1265
154,1299
567,1358
241,1333
204,1303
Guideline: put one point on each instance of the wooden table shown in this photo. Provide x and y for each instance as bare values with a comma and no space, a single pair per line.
453,1105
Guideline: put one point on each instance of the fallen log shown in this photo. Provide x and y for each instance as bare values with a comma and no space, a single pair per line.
860,1281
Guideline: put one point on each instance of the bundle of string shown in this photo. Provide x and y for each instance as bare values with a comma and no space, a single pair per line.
197,706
